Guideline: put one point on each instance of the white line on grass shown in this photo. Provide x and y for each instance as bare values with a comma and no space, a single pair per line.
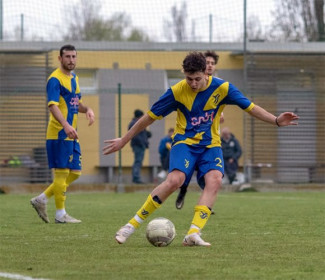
18,276
266,197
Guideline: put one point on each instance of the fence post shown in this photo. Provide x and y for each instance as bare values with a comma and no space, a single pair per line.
120,185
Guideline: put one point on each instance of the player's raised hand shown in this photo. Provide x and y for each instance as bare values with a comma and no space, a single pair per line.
287,118
112,146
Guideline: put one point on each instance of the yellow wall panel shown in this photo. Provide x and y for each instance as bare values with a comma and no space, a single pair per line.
168,60
234,119
89,136
170,122
129,103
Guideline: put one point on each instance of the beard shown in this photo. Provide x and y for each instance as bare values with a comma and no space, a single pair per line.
68,67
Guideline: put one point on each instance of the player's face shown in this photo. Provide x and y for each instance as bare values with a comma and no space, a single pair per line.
68,60
211,65
197,81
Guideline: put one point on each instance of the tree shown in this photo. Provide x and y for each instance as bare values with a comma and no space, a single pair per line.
254,29
175,29
88,25
298,20
319,11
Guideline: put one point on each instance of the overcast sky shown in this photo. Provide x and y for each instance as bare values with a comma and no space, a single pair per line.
47,19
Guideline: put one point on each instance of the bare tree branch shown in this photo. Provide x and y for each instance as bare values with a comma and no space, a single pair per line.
175,29
298,20
88,25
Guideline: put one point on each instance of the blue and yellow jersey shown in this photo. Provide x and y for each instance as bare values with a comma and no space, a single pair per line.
198,114
63,91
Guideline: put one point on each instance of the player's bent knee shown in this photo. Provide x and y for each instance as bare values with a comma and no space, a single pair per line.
174,183
214,183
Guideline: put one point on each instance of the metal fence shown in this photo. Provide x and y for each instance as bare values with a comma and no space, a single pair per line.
23,117
287,82
278,82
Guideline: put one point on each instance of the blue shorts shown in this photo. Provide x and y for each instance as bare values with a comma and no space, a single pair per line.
188,158
63,154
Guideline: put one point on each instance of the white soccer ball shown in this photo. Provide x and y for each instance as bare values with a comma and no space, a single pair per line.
160,232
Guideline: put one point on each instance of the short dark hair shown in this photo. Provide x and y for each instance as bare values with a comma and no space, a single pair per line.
194,62
138,113
212,54
67,48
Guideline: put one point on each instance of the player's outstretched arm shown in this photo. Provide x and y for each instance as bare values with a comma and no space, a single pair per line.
117,144
284,119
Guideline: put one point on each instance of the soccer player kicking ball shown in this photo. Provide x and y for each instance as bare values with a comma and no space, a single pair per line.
211,59
199,100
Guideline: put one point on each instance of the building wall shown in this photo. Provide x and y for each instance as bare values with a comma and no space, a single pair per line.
89,136
24,74
105,101
98,71
167,60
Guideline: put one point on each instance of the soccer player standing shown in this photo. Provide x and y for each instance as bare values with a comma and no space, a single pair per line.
199,100
62,143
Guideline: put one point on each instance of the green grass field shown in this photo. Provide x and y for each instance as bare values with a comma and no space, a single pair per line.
253,236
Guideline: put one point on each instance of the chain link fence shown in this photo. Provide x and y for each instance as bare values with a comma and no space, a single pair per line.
278,81
23,117
287,82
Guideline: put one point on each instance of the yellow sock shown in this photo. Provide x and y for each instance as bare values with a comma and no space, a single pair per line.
144,212
73,175
49,191
59,187
201,216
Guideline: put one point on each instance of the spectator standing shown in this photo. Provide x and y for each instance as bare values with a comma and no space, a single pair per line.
231,153
139,144
164,149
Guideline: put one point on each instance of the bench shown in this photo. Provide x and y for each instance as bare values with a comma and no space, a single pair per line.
255,169
112,173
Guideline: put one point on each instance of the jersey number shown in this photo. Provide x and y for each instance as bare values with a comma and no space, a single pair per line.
218,160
